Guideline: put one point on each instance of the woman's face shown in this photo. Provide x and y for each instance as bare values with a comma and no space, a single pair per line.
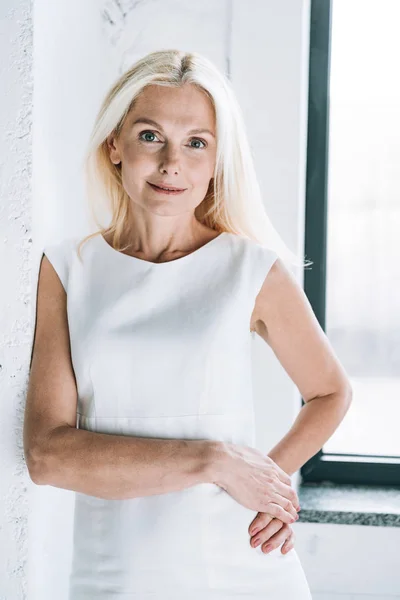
167,151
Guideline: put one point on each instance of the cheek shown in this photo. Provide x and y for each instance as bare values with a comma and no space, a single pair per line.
136,165
133,153
201,167
202,174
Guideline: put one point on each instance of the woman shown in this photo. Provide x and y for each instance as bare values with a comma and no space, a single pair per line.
139,396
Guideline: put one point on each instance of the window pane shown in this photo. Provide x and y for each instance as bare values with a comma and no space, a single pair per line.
363,254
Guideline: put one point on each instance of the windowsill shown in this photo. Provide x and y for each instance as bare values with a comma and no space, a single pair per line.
345,504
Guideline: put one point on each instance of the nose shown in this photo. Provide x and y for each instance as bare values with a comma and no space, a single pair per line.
170,161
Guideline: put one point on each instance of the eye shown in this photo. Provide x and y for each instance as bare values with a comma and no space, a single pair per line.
147,132
199,140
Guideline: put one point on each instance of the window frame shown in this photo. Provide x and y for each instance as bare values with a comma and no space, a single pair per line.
330,467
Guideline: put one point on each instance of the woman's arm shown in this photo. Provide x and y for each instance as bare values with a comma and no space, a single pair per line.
283,317
316,422
97,464
118,467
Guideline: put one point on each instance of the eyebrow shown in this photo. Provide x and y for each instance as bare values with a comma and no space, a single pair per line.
155,124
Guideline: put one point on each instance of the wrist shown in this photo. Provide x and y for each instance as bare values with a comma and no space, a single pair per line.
215,464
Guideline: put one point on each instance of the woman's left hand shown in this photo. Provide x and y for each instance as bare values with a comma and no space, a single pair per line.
271,531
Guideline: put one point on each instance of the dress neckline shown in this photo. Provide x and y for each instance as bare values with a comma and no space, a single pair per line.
135,259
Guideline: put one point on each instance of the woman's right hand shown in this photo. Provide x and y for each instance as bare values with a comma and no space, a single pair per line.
256,481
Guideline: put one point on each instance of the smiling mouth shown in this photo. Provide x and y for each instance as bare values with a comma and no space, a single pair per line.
166,190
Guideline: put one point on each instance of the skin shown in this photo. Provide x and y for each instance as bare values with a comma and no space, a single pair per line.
284,319
165,226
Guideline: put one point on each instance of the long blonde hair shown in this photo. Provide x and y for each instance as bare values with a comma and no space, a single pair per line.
233,201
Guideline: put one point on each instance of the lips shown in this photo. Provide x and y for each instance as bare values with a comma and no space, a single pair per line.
166,187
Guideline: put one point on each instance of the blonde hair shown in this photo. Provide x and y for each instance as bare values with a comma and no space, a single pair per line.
233,201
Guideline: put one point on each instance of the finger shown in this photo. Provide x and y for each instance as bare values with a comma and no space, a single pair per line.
266,533
285,503
288,492
278,512
288,544
261,520
276,540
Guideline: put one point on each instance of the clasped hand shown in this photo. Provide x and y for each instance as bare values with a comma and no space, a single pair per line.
270,532
255,480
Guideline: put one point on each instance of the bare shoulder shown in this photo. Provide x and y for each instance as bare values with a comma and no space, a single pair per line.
284,318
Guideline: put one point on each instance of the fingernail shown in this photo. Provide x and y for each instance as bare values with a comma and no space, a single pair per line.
267,548
256,542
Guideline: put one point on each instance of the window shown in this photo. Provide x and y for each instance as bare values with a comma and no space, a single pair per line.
353,227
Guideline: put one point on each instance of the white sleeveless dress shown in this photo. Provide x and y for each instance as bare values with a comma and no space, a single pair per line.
162,350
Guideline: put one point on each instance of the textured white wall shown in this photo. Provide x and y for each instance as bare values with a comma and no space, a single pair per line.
15,269
79,49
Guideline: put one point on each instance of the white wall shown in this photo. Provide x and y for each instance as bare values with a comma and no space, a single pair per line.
15,291
79,49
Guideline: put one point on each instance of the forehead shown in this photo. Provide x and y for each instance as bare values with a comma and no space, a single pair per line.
185,106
